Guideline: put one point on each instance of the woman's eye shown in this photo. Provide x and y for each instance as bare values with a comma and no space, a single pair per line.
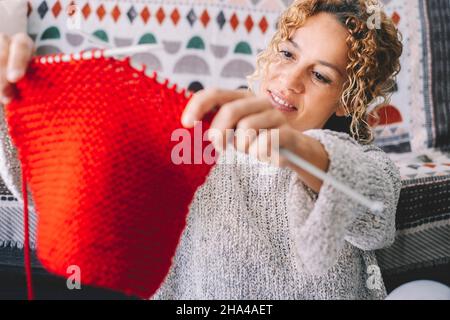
321,78
286,54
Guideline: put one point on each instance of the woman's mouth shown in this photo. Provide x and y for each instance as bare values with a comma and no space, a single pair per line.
281,104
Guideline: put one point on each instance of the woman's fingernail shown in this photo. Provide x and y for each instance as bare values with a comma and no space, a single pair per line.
186,120
210,135
6,100
14,75
217,145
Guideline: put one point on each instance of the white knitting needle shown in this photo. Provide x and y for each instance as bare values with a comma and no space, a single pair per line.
114,52
130,50
92,39
374,206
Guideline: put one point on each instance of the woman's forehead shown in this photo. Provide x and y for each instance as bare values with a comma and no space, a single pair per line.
322,36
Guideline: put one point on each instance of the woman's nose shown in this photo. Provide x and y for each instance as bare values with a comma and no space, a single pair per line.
293,80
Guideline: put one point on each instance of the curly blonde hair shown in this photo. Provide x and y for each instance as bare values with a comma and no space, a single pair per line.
373,56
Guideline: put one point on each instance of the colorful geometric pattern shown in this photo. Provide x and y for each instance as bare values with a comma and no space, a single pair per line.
202,45
144,13
427,164
433,123
393,130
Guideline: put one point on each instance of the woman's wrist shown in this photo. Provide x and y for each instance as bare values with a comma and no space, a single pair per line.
312,151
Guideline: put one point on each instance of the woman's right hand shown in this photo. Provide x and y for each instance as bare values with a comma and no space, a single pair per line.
15,54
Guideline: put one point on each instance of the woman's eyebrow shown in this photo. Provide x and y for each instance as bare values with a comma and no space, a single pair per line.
327,64
330,65
295,44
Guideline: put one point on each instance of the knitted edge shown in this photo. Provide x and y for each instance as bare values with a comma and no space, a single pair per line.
99,54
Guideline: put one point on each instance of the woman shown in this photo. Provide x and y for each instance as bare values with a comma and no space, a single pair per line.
258,231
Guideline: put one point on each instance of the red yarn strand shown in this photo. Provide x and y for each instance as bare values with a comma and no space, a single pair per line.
27,238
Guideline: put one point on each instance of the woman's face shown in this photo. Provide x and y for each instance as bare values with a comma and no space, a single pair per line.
307,77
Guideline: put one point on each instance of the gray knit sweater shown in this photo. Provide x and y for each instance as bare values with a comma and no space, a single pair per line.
255,231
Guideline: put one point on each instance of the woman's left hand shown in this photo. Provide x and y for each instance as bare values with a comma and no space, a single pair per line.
259,128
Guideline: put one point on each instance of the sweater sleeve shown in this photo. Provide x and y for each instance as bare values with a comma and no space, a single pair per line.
320,235
10,168
13,14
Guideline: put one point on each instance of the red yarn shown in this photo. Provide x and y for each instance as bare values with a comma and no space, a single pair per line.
26,231
94,140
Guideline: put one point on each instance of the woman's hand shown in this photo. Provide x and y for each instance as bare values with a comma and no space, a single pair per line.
15,54
258,128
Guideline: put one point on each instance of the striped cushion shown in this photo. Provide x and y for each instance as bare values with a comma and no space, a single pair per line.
422,219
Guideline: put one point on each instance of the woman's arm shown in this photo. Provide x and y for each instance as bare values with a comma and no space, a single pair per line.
311,150
369,231
320,235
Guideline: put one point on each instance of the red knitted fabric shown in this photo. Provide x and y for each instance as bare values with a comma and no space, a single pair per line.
94,141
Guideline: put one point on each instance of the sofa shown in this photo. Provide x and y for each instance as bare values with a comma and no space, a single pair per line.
214,43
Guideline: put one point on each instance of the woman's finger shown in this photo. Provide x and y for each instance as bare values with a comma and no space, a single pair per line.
205,100
231,113
20,52
261,147
266,146
249,127
4,53
265,119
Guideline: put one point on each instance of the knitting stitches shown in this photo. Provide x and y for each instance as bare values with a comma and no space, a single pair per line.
94,141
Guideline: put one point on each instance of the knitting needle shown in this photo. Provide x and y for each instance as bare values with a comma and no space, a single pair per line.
106,53
114,52
374,206
130,50
94,40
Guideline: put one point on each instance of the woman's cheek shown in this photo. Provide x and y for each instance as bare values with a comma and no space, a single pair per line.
274,71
